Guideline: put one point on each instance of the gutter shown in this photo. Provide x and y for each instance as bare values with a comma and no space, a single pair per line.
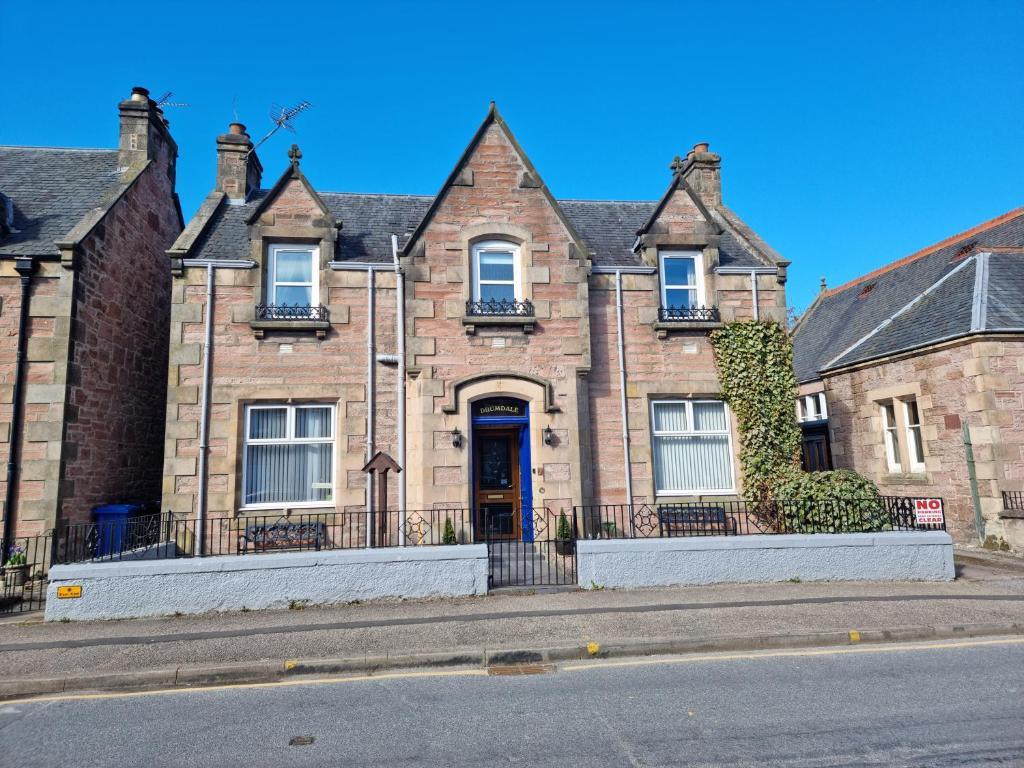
25,266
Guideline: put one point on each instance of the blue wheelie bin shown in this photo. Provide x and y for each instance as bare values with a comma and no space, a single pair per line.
111,524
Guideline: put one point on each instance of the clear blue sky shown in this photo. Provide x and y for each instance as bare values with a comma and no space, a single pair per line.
851,133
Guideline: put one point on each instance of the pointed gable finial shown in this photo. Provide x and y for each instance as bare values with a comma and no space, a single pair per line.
295,154
824,285
676,166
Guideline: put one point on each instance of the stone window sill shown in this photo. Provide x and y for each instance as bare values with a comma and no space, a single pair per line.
319,327
917,478
687,326
525,324
1012,514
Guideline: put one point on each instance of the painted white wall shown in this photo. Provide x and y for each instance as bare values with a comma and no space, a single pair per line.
121,590
894,556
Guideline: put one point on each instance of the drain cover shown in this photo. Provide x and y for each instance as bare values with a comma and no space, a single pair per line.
520,669
300,741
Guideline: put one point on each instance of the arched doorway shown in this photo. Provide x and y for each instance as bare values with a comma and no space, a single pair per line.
502,469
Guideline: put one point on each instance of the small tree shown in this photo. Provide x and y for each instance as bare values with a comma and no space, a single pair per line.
564,530
449,536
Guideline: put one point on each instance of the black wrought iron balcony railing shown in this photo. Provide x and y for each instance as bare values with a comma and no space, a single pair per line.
501,308
286,312
1013,500
688,314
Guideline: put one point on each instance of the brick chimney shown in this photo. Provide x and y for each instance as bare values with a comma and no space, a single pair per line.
703,172
239,171
145,134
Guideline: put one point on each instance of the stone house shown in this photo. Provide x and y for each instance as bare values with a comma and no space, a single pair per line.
85,306
900,368
508,349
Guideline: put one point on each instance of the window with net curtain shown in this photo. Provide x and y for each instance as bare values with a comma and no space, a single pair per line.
495,272
289,455
692,447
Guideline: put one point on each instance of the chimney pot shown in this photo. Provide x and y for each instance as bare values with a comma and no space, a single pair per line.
702,147
237,129
140,94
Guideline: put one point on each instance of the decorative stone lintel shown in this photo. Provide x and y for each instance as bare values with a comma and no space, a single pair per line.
319,327
471,322
664,329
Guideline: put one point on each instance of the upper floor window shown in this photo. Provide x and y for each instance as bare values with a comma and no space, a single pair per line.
293,276
812,407
496,272
682,280
692,447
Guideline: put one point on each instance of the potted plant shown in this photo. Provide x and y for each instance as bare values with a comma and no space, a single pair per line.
565,544
16,566
610,529
449,536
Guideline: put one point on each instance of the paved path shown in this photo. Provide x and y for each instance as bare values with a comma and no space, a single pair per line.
934,705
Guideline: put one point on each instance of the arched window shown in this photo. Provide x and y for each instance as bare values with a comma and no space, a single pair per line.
496,272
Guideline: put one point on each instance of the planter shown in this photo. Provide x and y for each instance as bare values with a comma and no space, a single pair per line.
15,575
565,546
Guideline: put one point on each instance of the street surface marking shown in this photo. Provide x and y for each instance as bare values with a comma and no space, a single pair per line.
484,672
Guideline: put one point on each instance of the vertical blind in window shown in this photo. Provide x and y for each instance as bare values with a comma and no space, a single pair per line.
691,446
289,455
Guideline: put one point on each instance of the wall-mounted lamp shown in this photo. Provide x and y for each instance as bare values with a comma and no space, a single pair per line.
456,438
549,436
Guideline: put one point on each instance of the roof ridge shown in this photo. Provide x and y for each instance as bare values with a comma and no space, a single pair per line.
977,229
374,194
599,200
60,149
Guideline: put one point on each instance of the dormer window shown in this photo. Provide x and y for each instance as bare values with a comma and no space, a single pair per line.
682,287
293,283
497,281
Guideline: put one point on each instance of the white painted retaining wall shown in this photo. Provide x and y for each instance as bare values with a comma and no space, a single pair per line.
198,585
895,556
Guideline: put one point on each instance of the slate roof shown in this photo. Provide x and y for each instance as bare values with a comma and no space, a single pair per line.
51,190
608,227
971,282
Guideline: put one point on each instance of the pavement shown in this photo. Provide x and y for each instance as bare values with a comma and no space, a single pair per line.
935,704
37,657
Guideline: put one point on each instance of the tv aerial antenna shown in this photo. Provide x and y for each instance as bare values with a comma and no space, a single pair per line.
282,117
165,101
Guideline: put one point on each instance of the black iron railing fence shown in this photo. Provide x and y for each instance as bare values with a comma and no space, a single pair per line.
1013,499
742,518
286,312
688,314
501,308
23,572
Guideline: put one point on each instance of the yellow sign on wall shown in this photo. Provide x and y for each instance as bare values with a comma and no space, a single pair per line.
75,590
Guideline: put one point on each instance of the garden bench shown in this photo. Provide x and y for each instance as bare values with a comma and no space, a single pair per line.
689,520
282,535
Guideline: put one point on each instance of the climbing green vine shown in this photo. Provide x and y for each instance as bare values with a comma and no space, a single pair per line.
755,366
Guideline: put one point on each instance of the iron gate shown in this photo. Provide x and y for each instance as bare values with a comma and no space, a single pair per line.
540,552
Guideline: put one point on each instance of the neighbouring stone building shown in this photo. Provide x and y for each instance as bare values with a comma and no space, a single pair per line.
898,369
509,351
82,235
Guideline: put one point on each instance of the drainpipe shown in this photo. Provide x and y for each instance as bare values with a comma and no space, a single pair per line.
972,476
753,290
204,390
24,267
400,384
371,362
622,392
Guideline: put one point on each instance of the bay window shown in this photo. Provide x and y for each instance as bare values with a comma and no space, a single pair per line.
288,456
692,447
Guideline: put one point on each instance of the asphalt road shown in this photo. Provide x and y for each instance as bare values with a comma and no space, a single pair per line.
922,705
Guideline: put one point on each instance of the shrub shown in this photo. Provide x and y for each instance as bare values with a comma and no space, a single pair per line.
449,533
840,501
564,530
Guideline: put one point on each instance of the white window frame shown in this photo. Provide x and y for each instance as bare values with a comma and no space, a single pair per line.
273,282
698,275
812,407
689,403
891,437
290,439
496,246
915,439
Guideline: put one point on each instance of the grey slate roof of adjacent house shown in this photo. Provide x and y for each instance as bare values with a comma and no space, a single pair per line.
608,227
969,283
51,190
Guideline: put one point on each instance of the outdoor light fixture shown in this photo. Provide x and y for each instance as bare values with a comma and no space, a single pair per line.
549,436
456,438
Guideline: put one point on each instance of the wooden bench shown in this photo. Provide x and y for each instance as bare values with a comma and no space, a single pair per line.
694,520
283,535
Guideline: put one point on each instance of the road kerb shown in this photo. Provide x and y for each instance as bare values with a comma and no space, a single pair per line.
197,675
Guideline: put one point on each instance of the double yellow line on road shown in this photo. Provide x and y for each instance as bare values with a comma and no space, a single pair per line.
596,664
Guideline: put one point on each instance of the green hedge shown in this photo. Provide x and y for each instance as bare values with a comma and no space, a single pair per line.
840,501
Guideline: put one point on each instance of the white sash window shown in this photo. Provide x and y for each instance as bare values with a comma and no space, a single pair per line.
289,456
692,447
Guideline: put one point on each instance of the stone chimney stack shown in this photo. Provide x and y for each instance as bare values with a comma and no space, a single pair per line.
239,171
145,134
703,172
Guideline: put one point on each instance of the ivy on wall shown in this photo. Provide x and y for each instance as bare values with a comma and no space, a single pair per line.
755,366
